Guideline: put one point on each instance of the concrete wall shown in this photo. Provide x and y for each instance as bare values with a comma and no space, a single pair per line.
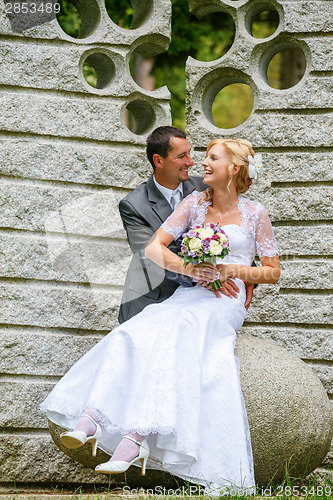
67,157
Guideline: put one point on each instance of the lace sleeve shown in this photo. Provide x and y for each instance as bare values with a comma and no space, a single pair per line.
265,239
177,223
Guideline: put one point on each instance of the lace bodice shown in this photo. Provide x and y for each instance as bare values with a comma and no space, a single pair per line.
253,236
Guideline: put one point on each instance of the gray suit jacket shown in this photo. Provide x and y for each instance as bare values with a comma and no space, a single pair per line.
143,211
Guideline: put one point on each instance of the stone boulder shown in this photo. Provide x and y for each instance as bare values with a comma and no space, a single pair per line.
289,414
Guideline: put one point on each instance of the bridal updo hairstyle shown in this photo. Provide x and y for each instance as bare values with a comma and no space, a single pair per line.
238,151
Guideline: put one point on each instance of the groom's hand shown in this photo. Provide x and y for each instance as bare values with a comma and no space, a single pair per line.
249,287
228,288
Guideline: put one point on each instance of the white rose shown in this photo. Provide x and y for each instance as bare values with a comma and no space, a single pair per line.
215,247
223,237
206,233
195,244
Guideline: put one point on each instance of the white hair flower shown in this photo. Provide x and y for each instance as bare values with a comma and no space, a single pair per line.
255,164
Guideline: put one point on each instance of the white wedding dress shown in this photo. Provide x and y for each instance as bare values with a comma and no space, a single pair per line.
170,372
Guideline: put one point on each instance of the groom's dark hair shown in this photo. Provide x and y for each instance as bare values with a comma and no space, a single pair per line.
158,142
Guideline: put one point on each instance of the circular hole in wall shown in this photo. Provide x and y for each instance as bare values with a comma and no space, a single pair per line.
69,18
232,105
89,74
98,70
140,68
264,23
139,116
141,64
128,15
214,35
78,18
286,68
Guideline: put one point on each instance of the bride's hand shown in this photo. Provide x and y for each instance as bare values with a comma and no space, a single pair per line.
203,271
224,271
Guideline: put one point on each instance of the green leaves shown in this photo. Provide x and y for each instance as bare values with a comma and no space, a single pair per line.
206,40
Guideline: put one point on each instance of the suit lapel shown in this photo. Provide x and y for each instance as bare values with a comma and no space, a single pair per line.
188,188
159,204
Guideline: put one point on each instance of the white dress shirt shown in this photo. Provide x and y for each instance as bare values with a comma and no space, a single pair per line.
167,193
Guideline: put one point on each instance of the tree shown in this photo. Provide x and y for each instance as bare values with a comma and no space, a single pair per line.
206,40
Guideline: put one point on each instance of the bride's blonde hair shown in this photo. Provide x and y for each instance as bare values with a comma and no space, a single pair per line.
238,151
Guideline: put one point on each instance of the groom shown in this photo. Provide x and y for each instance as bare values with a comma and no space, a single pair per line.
146,208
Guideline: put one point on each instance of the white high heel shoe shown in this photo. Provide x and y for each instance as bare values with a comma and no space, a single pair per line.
119,466
75,439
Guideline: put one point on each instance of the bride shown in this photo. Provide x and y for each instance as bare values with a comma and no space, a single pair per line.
163,388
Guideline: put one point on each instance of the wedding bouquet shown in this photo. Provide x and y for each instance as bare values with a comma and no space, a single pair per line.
204,243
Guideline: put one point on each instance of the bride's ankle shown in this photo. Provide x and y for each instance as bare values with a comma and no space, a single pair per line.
127,449
136,436
86,425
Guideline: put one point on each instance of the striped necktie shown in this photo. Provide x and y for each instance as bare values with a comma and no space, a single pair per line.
176,198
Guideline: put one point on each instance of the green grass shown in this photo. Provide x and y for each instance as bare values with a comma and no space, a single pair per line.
307,488
303,488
